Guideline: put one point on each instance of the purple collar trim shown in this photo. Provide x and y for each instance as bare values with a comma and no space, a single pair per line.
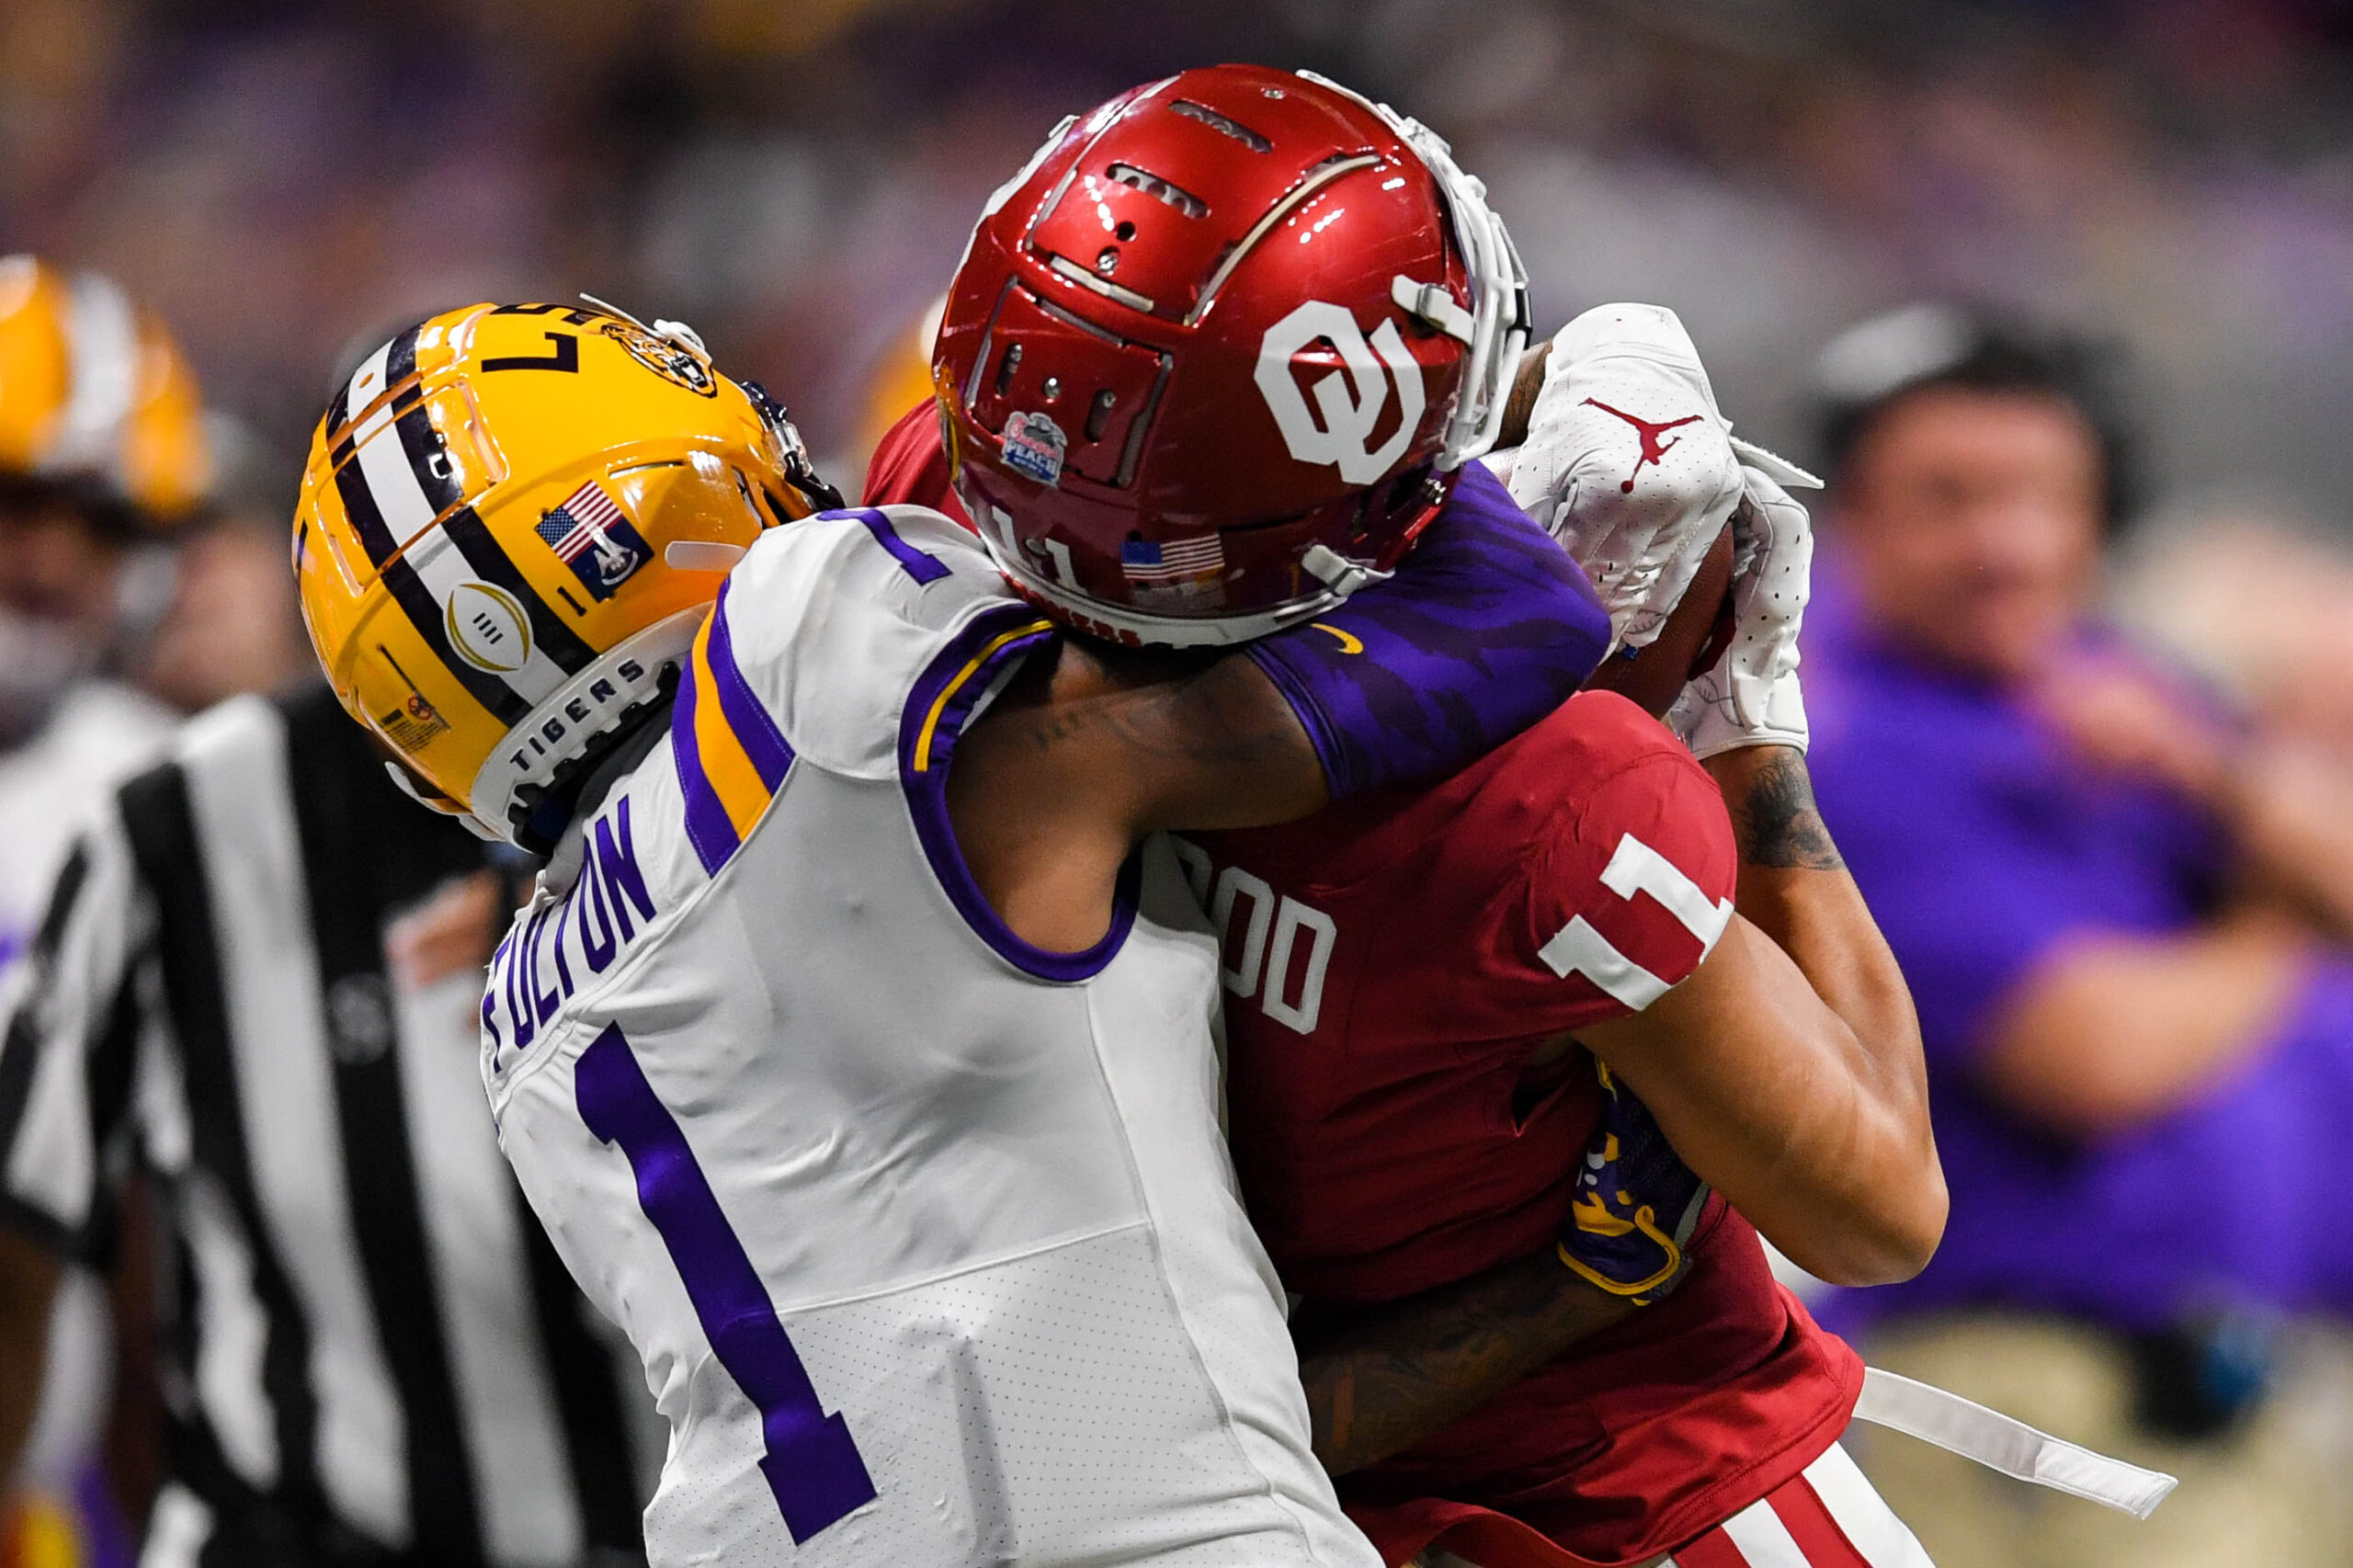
962,671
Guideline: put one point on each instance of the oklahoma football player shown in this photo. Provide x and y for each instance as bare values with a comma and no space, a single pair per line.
1416,977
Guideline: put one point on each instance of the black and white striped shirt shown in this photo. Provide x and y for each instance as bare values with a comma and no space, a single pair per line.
372,1352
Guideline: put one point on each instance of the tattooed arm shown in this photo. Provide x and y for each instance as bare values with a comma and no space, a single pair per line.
1381,1381
1787,1070
1795,889
1486,627
1770,796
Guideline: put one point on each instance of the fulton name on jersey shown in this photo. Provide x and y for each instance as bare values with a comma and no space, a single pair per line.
544,960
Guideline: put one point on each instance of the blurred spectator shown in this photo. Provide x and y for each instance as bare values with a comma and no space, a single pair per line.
798,180
102,454
223,619
2257,604
2105,888
231,624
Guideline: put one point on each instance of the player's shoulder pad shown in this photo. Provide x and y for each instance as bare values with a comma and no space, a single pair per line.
1631,884
830,620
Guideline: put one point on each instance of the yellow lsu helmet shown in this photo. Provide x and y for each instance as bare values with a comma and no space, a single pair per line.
94,396
514,519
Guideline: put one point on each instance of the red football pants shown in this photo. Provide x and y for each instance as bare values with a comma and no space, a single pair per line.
1827,1517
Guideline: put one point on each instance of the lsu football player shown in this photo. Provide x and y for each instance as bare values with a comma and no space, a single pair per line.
102,451
856,1060
102,454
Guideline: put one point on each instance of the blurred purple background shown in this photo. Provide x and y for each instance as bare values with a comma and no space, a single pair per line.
288,180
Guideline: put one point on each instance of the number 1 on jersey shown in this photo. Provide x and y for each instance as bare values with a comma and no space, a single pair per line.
812,1464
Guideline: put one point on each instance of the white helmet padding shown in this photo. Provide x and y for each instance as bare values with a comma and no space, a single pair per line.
1498,320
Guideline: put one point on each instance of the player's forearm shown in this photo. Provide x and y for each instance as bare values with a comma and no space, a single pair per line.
1386,1378
1795,888
1521,406
1233,753
1872,1199
28,1289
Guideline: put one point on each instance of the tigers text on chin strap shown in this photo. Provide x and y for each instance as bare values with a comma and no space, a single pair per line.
1999,1442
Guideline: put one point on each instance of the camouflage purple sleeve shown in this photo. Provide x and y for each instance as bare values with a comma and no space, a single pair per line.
1486,627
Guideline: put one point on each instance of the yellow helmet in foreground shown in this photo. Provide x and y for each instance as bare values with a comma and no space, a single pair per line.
513,521
95,397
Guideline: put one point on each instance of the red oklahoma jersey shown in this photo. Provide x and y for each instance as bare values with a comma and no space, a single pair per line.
1388,976
1391,965
909,466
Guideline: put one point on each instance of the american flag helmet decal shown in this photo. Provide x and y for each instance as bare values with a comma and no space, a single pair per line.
589,533
1142,561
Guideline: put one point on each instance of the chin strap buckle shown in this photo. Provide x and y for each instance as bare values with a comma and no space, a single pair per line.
1337,573
1430,304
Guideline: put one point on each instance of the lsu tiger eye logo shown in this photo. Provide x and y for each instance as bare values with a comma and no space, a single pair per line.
674,362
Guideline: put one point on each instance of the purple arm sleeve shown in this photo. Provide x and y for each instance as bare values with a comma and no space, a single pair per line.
1486,627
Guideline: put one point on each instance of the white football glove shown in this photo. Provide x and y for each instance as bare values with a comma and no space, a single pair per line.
1750,697
1628,461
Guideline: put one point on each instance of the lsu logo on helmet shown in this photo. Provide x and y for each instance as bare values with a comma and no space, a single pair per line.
514,518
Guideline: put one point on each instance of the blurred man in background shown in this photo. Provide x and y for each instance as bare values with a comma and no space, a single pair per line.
103,456
2123,925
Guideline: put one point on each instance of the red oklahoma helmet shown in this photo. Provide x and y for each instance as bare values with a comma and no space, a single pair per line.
1215,355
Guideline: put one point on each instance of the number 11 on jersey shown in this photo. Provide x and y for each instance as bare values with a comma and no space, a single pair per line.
812,1464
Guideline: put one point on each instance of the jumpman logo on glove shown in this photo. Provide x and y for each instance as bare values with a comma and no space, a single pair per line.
1653,448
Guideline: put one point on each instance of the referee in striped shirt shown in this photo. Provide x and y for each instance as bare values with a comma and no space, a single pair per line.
264,1000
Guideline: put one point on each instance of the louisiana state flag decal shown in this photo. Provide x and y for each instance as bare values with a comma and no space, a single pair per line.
589,534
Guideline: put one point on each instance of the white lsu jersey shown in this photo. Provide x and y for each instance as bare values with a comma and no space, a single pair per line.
928,1237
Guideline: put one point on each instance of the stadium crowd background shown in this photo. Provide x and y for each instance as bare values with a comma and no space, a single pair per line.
283,180
285,183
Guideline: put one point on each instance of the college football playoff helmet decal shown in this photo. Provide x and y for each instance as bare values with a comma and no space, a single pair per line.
512,521
1213,357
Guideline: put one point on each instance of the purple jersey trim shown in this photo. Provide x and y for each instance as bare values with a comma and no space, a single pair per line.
926,793
756,731
707,828
1487,626
923,568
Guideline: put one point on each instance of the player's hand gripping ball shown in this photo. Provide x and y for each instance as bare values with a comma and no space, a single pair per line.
1637,1203
1752,697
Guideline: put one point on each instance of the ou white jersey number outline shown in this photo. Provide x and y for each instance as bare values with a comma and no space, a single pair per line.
1349,404
1635,867
1271,935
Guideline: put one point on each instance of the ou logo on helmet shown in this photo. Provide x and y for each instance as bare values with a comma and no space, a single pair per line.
1349,402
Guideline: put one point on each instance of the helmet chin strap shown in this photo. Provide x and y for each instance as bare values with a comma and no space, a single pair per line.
1339,574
